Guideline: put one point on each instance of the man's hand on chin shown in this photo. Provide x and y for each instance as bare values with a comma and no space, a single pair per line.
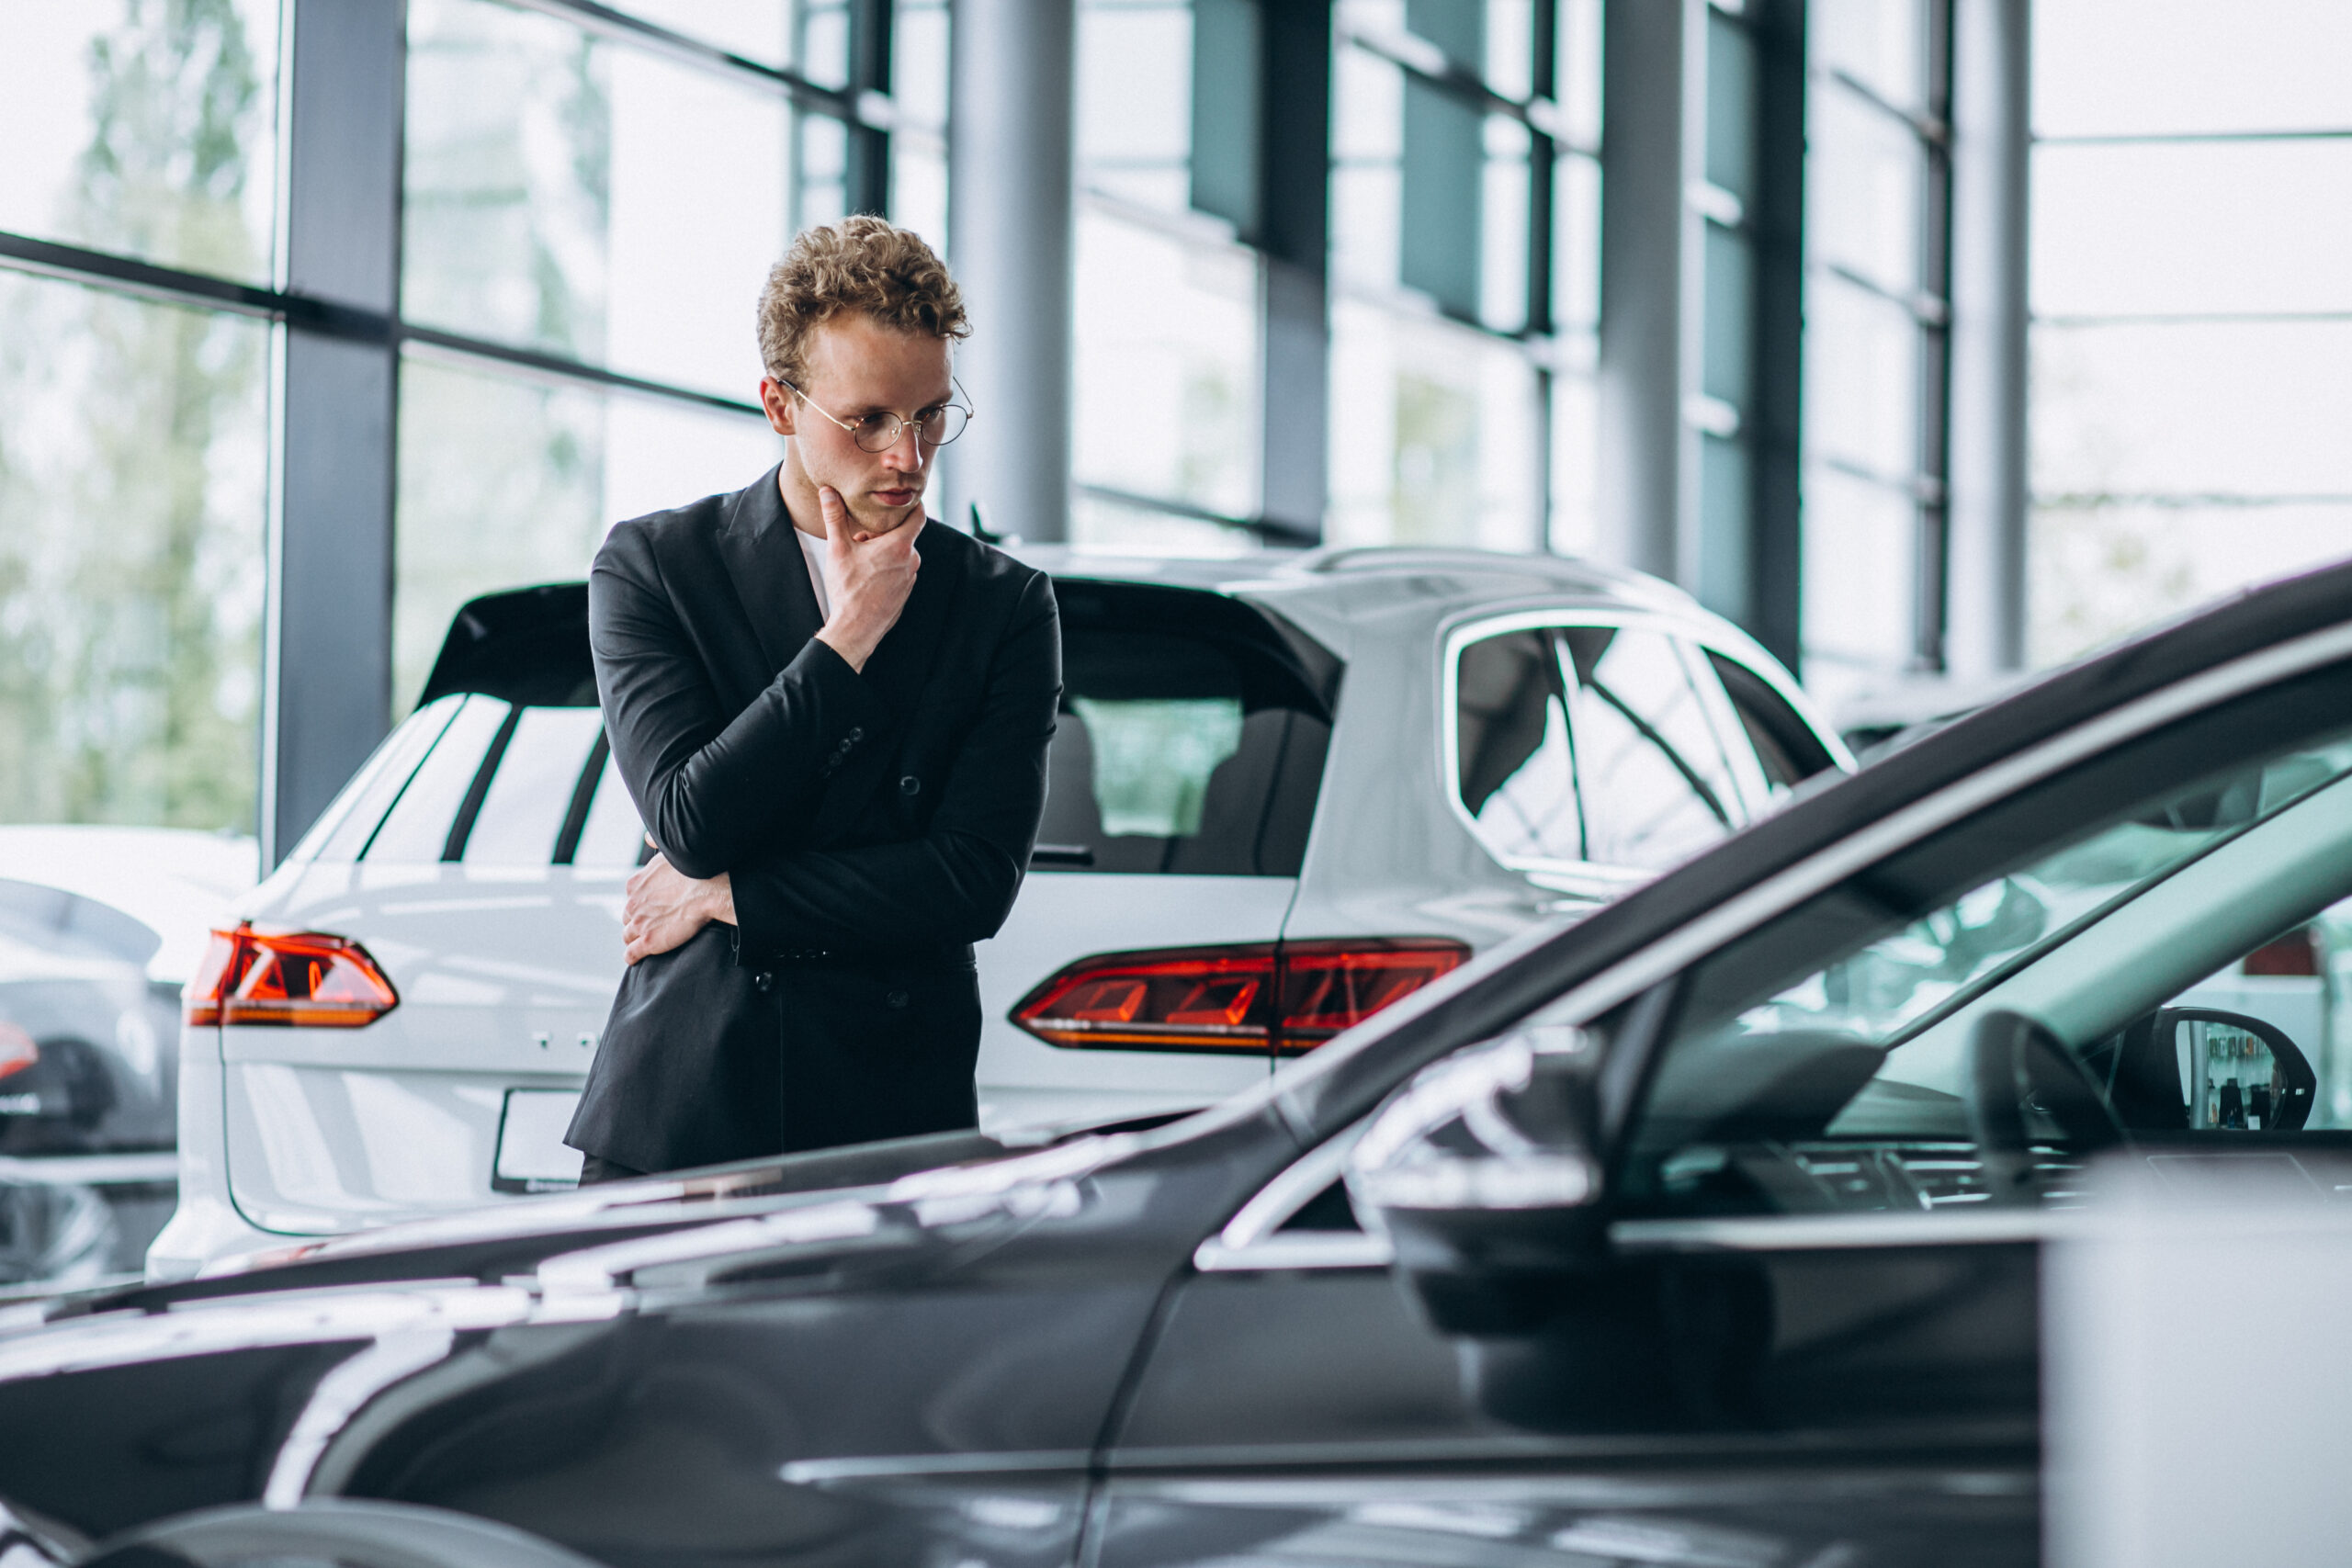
666,908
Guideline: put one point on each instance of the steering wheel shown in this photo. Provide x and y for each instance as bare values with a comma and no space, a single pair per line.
2013,1059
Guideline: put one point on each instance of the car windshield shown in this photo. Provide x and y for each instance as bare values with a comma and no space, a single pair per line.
1850,1029
1894,990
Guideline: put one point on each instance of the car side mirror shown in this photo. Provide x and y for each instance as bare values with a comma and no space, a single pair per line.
1484,1174
2232,1070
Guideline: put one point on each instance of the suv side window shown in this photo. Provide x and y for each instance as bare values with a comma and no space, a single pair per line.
1653,775
612,835
523,810
1515,768
416,831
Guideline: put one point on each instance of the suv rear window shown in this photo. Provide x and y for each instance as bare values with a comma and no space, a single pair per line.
1191,735
1191,740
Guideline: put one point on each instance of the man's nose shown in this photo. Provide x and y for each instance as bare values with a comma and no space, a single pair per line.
906,453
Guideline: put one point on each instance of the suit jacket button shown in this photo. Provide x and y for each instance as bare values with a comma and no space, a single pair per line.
897,999
765,980
856,735
910,785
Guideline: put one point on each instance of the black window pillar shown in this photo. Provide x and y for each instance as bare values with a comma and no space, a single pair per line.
328,635
1775,542
1293,233
868,183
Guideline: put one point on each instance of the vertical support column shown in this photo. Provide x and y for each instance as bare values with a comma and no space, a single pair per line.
868,182
1293,232
1010,237
327,653
1774,417
1992,151
1652,145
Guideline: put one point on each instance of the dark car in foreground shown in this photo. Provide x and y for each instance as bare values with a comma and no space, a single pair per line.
1704,1231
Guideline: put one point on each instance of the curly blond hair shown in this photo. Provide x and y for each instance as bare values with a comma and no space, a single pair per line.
862,263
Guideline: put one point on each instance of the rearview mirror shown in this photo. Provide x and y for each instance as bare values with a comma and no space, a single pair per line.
1482,1174
2236,1071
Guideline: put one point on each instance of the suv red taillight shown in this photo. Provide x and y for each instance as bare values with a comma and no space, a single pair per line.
1287,996
302,979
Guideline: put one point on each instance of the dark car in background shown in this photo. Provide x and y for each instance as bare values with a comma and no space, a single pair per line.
99,929
1703,1229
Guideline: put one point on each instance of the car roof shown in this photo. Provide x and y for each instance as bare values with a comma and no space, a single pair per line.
529,645
1493,573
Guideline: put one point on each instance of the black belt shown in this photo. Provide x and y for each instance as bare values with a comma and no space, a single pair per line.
941,955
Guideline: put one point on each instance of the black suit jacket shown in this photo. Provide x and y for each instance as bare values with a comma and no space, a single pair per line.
873,825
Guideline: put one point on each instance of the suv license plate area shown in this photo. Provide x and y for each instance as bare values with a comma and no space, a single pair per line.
531,1152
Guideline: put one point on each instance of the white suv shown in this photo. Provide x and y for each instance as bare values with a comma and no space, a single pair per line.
1286,790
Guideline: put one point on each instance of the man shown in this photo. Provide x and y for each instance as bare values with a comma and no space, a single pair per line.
833,717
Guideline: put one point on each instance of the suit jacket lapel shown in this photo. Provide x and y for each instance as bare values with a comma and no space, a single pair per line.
902,665
769,574
897,672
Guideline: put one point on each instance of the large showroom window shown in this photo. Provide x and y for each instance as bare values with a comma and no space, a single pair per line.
201,438
134,432
1168,329
2192,305
589,209
1464,261
1877,306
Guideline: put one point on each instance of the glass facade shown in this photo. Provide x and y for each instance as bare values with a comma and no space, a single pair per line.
573,194
1464,264
134,435
146,128
2192,333
507,480
133,473
1877,302
568,193
591,199
590,196
1164,449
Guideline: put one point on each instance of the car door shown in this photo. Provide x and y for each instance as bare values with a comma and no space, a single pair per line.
1295,1406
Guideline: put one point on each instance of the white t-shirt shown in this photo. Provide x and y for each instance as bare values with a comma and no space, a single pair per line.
813,549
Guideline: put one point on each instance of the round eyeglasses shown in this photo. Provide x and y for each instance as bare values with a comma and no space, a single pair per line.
934,426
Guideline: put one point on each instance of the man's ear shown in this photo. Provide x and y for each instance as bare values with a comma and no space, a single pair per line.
779,404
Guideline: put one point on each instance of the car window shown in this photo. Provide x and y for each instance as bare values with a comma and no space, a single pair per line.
1651,770
380,782
416,831
524,807
1514,771
1828,1053
1176,751
1153,759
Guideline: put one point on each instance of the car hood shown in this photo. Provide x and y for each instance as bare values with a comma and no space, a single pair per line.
601,1259
502,1241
